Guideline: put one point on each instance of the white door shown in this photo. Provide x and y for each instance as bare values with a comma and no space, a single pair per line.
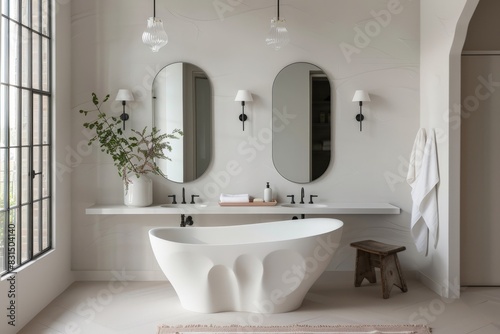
480,170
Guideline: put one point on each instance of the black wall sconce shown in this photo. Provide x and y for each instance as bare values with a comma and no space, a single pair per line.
243,96
360,96
124,95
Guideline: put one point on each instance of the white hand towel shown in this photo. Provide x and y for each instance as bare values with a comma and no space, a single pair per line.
424,214
417,154
231,198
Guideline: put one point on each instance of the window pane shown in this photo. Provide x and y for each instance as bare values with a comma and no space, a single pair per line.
13,116
45,17
13,176
26,118
25,13
37,220
45,223
36,119
5,6
4,59
46,174
37,166
45,120
14,10
45,64
4,195
3,232
35,9
4,100
14,54
25,242
26,52
13,233
36,70
26,175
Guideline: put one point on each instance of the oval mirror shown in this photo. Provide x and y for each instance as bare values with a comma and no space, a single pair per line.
182,99
301,122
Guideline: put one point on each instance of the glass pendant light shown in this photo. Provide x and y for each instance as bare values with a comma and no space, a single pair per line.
278,35
154,35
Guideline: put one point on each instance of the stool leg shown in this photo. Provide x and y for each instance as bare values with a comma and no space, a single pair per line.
402,282
391,274
364,268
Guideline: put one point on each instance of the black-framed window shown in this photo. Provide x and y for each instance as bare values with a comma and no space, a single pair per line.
25,131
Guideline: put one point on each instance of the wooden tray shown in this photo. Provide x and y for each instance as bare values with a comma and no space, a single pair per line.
250,203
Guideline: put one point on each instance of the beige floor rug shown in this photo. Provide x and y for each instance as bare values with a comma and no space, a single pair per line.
297,329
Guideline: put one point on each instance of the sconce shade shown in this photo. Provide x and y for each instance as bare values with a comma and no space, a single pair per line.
124,95
243,96
361,96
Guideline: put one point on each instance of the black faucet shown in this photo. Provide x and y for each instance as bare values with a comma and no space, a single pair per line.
311,198
302,195
183,196
192,198
173,199
293,199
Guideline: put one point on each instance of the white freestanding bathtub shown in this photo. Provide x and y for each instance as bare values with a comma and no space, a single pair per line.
261,268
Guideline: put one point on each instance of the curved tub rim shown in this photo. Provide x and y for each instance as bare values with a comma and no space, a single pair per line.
152,234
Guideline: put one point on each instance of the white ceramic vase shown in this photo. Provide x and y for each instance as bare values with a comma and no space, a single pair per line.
139,191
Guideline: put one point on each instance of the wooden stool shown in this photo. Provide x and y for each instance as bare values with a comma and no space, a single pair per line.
372,254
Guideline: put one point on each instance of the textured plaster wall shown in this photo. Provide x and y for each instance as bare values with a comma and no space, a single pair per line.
360,44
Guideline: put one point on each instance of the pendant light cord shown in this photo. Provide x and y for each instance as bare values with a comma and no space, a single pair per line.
154,8
278,16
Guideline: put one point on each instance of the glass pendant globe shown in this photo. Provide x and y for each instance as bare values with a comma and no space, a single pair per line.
154,35
277,37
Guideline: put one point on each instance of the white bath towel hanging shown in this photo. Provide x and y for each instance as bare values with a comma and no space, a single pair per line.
423,180
417,154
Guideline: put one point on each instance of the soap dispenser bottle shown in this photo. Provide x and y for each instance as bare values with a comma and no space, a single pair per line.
268,193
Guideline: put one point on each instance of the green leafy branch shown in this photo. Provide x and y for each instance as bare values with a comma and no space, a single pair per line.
134,154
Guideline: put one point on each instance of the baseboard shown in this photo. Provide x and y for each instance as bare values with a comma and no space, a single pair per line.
441,290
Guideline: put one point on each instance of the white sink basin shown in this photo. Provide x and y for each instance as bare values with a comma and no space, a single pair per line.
185,206
306,205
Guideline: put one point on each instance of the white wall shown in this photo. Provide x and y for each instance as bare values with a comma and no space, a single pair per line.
443,30
366,166
41,281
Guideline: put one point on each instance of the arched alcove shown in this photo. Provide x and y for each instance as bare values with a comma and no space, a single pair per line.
480,157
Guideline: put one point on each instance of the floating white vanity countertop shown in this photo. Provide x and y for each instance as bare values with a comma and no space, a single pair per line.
215,209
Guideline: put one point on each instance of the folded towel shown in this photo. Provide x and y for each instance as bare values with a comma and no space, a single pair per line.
231,198
424,214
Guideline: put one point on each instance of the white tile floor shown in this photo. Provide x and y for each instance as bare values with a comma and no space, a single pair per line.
139,307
